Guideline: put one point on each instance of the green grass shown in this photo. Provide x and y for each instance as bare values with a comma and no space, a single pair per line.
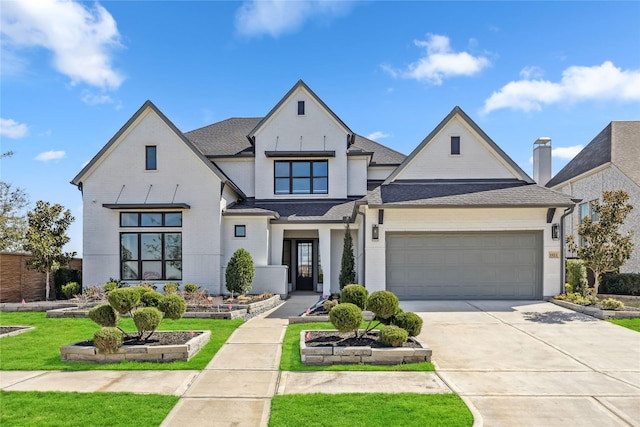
39,349
48,409
291,361
633,324
369,409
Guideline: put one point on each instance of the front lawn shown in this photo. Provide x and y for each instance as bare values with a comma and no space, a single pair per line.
369,409
43,409
291,360
39,349
633,324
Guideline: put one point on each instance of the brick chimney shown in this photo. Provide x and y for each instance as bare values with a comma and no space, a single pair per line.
542,160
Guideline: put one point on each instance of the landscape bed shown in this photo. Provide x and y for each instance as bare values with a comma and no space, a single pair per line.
598,312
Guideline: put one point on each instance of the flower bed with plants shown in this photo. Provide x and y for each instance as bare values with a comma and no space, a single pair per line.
391,345
580,298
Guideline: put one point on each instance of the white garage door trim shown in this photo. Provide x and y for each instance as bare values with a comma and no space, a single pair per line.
465,265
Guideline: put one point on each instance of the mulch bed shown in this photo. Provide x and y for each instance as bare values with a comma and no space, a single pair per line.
8,329
158,338
348,339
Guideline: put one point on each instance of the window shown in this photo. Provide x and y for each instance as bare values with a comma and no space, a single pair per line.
301,177
240,231
301,108
455,145
151,256
150,158
588,210
150,219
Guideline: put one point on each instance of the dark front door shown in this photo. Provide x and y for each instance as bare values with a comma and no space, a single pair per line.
304,266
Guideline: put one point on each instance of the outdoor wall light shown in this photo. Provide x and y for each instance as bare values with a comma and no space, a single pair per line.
375,232
555,231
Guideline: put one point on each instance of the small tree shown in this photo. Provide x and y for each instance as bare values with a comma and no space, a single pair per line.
13,221
347,269
46,236
240,272
604,250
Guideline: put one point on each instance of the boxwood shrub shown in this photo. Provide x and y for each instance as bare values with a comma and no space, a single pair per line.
393,336
354,294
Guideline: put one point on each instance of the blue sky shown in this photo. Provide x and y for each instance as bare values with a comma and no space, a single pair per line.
74,72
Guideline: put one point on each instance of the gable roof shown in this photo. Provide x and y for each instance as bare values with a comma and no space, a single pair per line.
522,175
77,180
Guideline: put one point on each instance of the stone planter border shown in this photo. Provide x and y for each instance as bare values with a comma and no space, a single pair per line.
140,353
597,312
18,332
328,355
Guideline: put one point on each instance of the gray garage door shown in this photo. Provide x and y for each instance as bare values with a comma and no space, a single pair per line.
505,265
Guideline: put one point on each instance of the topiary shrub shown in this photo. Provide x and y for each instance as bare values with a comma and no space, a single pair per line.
110,286
383,304
191,287
393,336
390,320
354,294
410,322
612,304
170,288
147,319
104,315
240,272
151,299
346,317
329,304
71,289
173,306
124,300
107,340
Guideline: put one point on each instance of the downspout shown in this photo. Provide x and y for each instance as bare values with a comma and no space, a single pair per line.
568,211
364,249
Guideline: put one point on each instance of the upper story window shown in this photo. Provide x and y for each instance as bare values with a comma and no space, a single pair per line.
151,163
301,108
150,219
588,210
301,177
455,145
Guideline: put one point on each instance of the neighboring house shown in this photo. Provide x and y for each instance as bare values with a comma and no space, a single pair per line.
611,161
457,218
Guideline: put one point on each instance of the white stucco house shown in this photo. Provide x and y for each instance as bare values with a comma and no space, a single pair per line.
611,161
455,219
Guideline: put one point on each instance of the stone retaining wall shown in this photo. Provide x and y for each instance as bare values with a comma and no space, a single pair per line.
597,312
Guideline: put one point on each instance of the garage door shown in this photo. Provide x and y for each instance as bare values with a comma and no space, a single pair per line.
505,265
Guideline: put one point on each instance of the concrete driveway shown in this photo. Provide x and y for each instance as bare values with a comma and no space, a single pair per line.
532,363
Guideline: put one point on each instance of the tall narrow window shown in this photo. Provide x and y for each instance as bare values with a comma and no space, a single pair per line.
150,158
301,108
455,145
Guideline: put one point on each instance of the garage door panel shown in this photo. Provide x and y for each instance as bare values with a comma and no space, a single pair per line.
465,265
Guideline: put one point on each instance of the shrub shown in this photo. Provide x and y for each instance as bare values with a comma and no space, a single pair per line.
346,317
148,285
329,304
191,287
173,306
170,288
151,299
62,276
383,304
110,286
354,294
393,336
390,320
568,288
581,299
577,276
410,322
240,272
107,340
123,300
147,319
104,315
612,304
71,289
620,283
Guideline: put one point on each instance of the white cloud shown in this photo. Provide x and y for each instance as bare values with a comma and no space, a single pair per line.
378,135
12,129
599,82
80,38
277,17
50,155
440,62
93,99
566,153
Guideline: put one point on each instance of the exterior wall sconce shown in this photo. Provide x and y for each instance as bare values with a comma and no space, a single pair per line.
555,231
375,232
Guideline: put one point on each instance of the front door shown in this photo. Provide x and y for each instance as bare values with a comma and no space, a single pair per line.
304,266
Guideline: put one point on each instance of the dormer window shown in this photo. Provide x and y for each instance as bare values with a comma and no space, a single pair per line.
301,108
151,163
455,145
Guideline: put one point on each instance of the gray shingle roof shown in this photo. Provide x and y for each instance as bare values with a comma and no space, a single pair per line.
466,193
381,155
596,153
291,210
225,138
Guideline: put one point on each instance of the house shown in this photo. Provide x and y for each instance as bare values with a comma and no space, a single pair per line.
457,218
611,161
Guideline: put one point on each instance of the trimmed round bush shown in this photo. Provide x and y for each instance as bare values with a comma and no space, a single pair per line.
410,322
147,319
170,288
393,336
191,287
107,340
354,294
123,300
71,289
173,306
240,272
151,299
110,286
346,317
104,315
383,304
329,304
389,320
